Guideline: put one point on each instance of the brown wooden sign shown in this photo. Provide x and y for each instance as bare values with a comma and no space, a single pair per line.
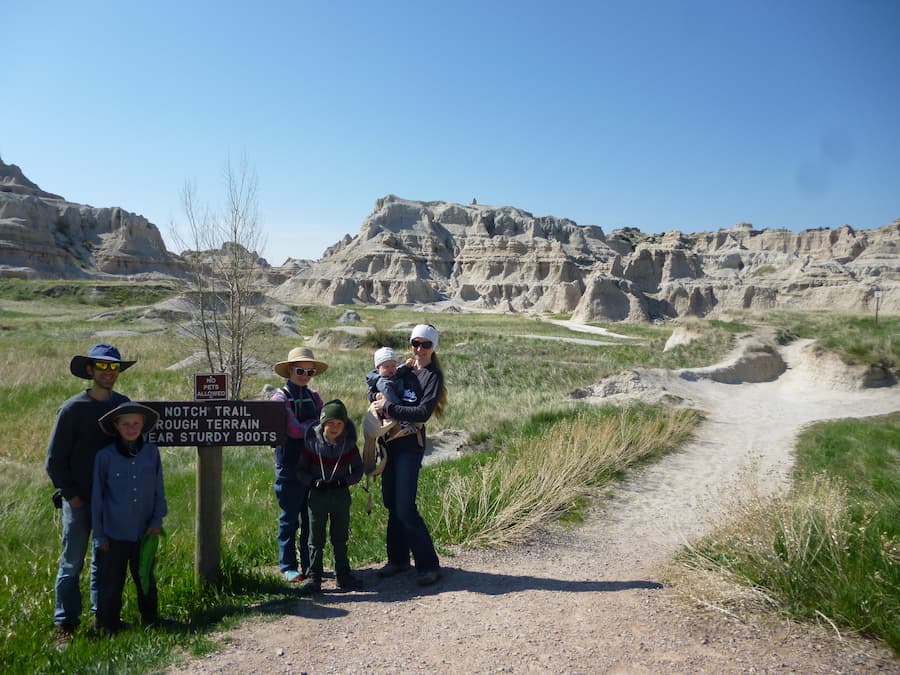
218,423
210,386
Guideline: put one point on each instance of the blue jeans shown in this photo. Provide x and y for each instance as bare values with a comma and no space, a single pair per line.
406,530
76,537
292,497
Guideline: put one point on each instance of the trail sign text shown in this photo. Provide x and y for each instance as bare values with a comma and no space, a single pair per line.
218,423
210,386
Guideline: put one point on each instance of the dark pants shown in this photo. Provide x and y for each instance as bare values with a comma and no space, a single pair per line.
325,505
292,495
406,530
120,557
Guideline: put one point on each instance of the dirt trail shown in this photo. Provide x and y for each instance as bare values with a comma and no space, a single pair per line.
590,599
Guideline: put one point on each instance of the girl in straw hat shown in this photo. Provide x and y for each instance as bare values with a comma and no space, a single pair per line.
304,404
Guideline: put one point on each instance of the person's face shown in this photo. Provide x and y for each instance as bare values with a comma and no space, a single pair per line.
388,368
422,350
301,372
332,429
104,373
129,426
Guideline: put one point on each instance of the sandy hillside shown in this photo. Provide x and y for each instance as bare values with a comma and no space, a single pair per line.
591,599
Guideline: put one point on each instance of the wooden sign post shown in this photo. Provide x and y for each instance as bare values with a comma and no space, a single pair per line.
208,495
210,425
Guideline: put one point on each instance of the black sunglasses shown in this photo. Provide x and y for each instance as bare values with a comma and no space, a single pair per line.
107,365
305,371
424,344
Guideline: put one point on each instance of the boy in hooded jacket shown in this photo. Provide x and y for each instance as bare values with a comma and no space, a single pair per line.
329,463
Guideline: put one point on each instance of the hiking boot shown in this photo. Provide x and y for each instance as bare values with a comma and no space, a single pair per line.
312,584
348,582
63,634
428,577
391,569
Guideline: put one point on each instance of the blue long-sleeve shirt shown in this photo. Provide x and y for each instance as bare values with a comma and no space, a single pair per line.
128,495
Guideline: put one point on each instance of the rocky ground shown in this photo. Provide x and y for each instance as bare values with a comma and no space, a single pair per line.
593,598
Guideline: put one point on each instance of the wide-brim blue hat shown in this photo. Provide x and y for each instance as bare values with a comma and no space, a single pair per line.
107,422
99,352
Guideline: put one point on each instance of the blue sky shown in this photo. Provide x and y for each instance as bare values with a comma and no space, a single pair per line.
660,115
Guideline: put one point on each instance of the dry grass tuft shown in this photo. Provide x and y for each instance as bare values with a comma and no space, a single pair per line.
538,479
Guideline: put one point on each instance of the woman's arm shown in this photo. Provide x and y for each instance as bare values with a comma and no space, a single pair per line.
429,382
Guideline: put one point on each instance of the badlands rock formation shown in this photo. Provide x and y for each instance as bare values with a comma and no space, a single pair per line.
496,258
423,252
503,258
44,236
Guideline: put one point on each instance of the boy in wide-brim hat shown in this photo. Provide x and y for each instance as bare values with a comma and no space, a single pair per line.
128,504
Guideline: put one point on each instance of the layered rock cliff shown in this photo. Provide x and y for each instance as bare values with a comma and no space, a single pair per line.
483,256
503,258
43,235
486,257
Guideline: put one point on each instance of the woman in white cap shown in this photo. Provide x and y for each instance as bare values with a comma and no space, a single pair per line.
424,394
304,404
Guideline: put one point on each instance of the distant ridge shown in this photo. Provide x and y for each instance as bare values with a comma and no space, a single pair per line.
505,259
482,257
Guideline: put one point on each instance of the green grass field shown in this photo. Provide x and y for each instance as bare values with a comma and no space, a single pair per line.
830,549
508,390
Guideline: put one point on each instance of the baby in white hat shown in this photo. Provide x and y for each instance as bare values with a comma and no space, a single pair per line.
387,378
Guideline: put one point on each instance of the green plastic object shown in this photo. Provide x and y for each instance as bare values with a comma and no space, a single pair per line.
146,558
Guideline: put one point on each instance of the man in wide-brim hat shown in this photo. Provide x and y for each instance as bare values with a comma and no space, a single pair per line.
101,357
74,442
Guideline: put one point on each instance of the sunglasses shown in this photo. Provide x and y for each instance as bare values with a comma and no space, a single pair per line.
305,371
421,344
107,365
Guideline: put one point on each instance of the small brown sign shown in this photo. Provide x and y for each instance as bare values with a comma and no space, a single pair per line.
210,386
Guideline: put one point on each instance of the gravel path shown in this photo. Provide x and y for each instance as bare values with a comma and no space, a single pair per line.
590,599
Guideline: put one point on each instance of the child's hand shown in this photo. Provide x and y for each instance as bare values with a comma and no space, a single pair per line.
153,530
410,362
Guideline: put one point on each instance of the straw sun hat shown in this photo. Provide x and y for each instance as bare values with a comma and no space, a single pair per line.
283,368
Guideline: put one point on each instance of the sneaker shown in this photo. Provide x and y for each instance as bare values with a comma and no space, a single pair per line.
292,576
311,585
391,569
428,577
348,582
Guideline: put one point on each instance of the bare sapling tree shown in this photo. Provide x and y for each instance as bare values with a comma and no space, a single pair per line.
225,273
